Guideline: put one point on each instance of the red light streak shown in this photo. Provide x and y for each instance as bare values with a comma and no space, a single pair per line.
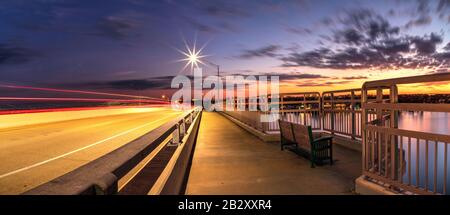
147,101
75,91
7,112
80,100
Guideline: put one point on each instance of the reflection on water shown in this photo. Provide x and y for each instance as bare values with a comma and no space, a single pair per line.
431,122
434,160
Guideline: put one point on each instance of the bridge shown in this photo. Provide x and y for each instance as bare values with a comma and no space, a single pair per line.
157,150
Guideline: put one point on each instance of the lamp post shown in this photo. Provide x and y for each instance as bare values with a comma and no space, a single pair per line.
218,78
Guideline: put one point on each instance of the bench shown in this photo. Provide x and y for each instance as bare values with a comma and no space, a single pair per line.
301,137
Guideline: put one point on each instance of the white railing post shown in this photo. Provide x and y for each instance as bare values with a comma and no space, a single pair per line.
176,136
365,155
393,98
332,113
353,118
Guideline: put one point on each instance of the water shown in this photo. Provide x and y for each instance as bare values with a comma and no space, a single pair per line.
430,122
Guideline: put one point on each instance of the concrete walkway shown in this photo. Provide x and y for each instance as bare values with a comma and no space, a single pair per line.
229,160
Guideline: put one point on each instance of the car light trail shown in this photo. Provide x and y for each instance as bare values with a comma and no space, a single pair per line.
81,100
9,112
75,91
141,101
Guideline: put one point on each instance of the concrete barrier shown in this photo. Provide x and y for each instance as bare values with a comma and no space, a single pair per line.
173,179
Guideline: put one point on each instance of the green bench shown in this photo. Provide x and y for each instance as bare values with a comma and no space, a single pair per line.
301,136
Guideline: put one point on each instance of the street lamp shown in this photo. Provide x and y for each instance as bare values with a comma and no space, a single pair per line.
218,77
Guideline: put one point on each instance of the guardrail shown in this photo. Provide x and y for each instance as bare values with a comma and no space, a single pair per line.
105,175
405,159
341,111
337,112
302,108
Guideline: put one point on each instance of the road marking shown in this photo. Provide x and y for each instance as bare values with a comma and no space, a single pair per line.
80,149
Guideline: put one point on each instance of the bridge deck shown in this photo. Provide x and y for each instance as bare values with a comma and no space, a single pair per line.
229,160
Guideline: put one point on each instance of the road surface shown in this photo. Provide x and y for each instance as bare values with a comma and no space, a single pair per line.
32,155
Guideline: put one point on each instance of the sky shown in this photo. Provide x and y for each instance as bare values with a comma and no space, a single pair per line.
133,45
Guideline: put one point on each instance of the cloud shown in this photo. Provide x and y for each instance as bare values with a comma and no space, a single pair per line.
162,82
295,76
281,76
447,47
442,5
114,27
266,51
225,26
423,6
387,55
392,46
443,10
392,12
311,84
327,21
421,21
217,16
349,36
365,40
439,71
222,8
299,30
200,26
354,77
366,23
10,54
322,84
426,44
443,58
141,84
222,26
239,71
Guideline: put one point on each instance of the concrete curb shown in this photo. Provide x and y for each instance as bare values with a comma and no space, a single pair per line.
365,187
261,135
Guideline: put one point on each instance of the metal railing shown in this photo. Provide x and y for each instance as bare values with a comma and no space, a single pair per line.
406,159
105,175
302,108
341,111
337,112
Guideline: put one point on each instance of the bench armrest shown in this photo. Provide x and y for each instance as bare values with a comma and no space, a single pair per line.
323,139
